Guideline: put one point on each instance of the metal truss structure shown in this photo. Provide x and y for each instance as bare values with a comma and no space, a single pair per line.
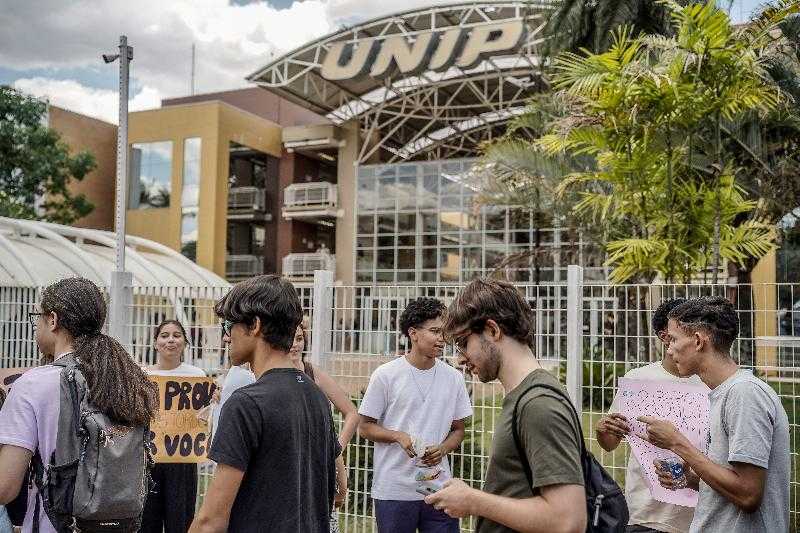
430,115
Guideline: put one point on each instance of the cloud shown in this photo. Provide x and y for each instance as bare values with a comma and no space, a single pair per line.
353,11
231,40
43,38
98,103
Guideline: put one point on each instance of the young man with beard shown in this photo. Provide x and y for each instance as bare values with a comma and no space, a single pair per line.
275,448
414,411
744,478
492,327
646,513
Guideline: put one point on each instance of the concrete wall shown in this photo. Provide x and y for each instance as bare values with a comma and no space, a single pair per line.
346,226
259,102
100,138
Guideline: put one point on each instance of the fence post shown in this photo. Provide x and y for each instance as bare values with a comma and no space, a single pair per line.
574,335
322,312
120,308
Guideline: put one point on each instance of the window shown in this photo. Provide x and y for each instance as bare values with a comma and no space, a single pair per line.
189,232
150,175
190,197
191,172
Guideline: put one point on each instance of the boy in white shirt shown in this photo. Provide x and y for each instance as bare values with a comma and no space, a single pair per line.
414,411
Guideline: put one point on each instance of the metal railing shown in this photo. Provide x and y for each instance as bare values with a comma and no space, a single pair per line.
247,199
243,266
315,195
302,266
354,329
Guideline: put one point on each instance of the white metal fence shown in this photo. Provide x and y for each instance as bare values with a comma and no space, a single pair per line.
588,335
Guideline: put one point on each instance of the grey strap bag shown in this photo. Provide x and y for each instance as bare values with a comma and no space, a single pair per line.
98,477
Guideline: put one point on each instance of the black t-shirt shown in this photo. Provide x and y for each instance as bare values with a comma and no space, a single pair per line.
279,432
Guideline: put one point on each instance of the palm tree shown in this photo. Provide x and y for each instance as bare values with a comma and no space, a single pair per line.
589,24
650,111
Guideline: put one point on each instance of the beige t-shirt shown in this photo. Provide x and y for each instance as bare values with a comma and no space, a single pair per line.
644,510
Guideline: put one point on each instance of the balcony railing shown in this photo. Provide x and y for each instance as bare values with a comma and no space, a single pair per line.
243,266
247,199
316,195
304,265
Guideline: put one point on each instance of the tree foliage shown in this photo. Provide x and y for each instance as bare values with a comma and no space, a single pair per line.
35,164
660,117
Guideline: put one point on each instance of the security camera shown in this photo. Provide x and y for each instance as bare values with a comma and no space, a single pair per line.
110,58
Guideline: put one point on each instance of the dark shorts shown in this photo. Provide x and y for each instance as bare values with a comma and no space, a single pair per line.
396,516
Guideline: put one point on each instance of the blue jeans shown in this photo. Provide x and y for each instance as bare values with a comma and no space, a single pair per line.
5,521
396,516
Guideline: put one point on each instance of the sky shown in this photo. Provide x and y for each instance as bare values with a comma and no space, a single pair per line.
52,48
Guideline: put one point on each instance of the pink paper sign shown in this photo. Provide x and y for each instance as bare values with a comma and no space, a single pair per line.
685,405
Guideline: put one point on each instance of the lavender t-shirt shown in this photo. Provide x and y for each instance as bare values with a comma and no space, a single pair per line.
29,419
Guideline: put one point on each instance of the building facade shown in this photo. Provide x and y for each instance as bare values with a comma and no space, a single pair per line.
207,177
82,133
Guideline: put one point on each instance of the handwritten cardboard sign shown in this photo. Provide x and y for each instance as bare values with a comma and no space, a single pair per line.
178,435
685,405
8,376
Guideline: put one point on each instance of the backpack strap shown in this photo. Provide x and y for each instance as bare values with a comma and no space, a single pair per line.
515,431
37,476
70,367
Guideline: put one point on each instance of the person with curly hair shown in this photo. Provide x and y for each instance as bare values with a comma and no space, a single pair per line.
743,477
414,410
647,515
69,321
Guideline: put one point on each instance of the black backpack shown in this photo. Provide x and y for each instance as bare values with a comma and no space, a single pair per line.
606,508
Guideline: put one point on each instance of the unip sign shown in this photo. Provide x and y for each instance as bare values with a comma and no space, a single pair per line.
437,50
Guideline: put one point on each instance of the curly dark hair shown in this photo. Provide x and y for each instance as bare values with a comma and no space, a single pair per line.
713,314
420,311
270,298
660,316
490,299
117,386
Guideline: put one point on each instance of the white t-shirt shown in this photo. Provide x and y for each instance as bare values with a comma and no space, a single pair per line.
183,370
422,403
644,510
236,378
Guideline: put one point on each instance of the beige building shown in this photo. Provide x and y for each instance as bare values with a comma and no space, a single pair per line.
100,139
209,175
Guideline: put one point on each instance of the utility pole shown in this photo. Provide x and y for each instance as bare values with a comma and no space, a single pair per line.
121,286
191,81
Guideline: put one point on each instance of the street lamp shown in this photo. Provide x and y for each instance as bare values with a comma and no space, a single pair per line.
121,286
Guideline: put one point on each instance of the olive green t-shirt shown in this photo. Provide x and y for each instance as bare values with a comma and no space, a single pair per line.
549,435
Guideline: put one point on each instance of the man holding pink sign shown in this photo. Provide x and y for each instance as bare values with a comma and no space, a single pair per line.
744,479
650,506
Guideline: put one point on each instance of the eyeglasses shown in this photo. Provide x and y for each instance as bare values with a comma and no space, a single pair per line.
33,318
460,343
227,326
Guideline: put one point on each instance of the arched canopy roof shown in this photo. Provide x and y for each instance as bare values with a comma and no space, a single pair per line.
419,73
38,253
